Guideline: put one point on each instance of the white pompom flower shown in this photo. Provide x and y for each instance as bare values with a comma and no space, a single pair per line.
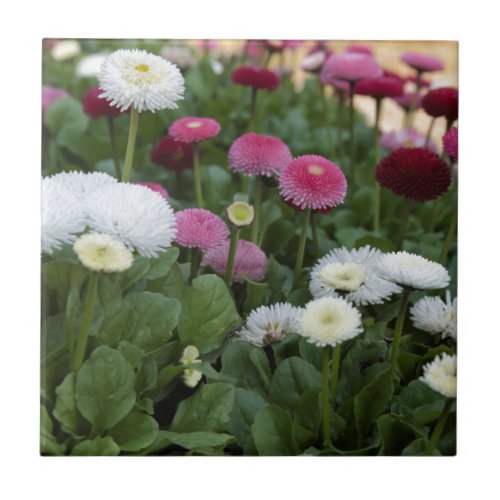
190,376
329,321
102,253
432,315
138,216
441,375
268,324
140,79
412,271
89,66
351,273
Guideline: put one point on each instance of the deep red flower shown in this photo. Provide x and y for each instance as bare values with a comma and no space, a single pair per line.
172,154
256,76
424,83
97,107
442,102
450,143
381,86
154,186
414,173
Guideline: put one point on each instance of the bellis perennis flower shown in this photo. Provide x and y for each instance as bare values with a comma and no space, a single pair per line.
406,138
257,77
194,129
432,315
350,66
422,62
450,143
441,375
191,377
172,154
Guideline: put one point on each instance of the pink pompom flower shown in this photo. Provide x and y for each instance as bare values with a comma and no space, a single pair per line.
450,143
172,154
379,87
193,129
350,66
200,228
405,100
50,95
359,48
311,181
157,188
422,62
255,154
96,107
255,76
249,261
406,138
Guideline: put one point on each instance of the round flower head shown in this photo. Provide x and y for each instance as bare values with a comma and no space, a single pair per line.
406,100
268,324
89,66
351,273
158,188
350,66
379,87
172,154
412,271
329,321
432,315
65,50
414,173
50,95
240,214
190,376
180,56
256,76
136,215
441,375
249,261
96,107
442,102
140,79
254,154
314,62
422,62
62,216
199,228
450,143
311,181
406,138
102,253
193,129
360,48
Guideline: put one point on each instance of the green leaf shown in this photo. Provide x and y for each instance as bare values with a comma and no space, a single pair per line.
291,379
287,348
134,273
135,432
174,286
190,440
161,265
208,311
272,431
147,376
348,236
62,276
279,279
308,410
206,410
48,443
104,389
66,113
395,434
131,352
53,334
383,244
98,447
417,448
256,296
277,236
115,321
311,352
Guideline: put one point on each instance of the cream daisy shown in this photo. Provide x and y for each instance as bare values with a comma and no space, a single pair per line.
138,216
140,79
65,50
268,324
103,253
329,321
89,66
433,315
441,375
190,376
351,274
412,271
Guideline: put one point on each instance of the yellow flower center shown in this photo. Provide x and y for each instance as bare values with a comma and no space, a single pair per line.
315,170
142,67
194,125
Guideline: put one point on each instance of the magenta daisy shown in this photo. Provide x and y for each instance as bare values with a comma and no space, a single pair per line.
351,66
450,143
422,62
199,228
311,181
249,261
255,154
194,129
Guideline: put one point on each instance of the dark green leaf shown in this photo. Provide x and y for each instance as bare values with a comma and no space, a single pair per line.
98,447
135,432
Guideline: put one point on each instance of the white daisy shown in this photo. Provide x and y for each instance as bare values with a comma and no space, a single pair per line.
63,216
65,50
329,321
351,273
189,356
103,253
180,56
412,271
138,216
140,79
433,315
441,375
314,62
268,324
89,66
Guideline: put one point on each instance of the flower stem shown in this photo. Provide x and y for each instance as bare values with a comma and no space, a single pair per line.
351,131
436,434
449,236
257,196
404,223
114,147
194,259
81,342
376,204
335,373
129,154
413,103
325,394
397,334
326,117
197,175
235,234
252,127
314,228
340,126
302,245
429,132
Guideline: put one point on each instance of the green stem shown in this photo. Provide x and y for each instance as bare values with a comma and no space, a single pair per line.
129,155
245,184
194,258
81,342
429,132
397,334
434,214
351,131
449,236
301,249
257,196
376,204
235,234
413,103
197,175
436,434
325,400
340,127
252,127
326,117
404,222
114,146
314,228
335,373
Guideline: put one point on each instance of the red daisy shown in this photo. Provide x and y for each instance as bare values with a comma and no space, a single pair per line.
442,102
256,76
381,86
172,154
450,143
193,129
96,107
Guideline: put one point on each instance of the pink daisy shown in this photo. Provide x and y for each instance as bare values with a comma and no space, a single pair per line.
249,260
379,87
193,129
50,95
199,228
350,66
405,101
422,62
311,181
254,154
360,48
157,188
450,143
407,138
